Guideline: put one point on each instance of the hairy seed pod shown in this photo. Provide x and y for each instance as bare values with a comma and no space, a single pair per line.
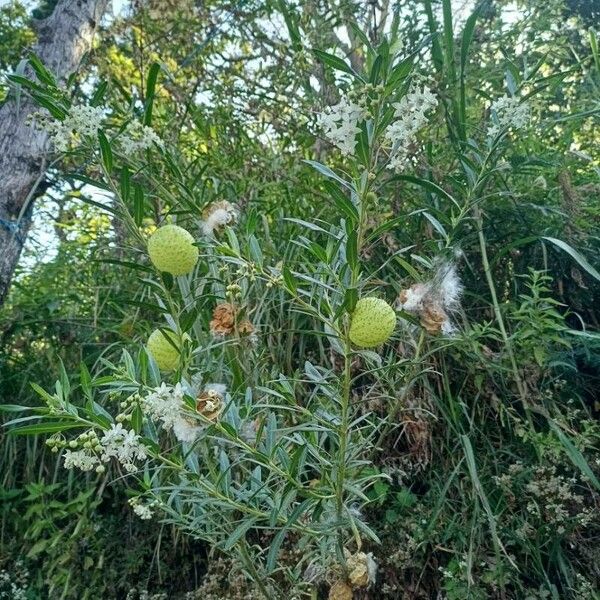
171,249
165,353
373,322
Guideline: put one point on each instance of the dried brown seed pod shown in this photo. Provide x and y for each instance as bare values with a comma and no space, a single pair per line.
433,317
210,404
223,321
340,590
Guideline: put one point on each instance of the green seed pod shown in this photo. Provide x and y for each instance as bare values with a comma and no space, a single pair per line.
162,351
373,322
171,249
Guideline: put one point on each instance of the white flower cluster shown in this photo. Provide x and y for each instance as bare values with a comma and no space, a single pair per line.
138,137
123,445
143,511
411,116
218,215
508,113
165,404
82,121
115,442
80,459
340,124
14,583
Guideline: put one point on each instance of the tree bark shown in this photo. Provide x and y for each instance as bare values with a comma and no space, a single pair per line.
63,39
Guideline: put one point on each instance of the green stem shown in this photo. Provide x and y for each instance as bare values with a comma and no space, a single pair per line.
415,363
498,314
343,439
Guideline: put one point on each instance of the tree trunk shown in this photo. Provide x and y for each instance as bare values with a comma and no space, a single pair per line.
63,38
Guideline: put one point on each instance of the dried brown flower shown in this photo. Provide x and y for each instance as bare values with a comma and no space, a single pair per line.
245,327
223,321
210,404
361,569
432,317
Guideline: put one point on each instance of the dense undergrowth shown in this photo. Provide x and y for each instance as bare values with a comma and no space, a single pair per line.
459,458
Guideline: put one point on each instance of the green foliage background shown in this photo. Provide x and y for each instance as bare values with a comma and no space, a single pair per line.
237,96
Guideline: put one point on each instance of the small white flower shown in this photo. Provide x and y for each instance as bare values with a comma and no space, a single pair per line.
138,137
123,445
143,512
81,121
165,404
340,124
411,116
508,112
80,459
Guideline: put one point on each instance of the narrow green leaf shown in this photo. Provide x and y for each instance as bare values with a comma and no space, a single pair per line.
137,419
329,173
21,80
150,92
99,93
291,21
85,379
105,150
41,392
127,264
14,408
574,454
278,539
343,203
43,74
594,48
334,61
238,532
138,203
352,250
580,259
51,427
125,183
375,70
57,111
350,299
290,280
426,184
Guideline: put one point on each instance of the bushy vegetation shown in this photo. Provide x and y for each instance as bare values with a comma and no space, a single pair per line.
370,367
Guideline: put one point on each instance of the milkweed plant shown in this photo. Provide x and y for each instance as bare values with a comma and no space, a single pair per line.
208,434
